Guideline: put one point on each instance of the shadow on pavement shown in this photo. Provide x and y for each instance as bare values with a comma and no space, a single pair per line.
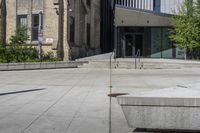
24,91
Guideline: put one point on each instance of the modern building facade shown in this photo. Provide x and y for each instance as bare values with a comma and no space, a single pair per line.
143,25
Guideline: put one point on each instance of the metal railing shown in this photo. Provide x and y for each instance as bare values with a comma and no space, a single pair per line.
137,58
113,55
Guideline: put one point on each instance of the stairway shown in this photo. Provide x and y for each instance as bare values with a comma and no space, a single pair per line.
144,64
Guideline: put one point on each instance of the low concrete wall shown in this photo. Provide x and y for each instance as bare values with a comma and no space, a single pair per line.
40,65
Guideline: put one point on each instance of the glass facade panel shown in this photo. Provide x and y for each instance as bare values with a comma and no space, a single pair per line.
156,42
166,44
156,5
180,53
164,6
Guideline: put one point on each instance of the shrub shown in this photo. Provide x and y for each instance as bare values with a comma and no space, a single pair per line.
49,56
18,51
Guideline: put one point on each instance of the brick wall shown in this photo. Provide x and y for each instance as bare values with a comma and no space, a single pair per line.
50,21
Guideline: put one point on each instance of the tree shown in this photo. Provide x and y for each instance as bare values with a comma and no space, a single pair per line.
198,17
20,37
186,30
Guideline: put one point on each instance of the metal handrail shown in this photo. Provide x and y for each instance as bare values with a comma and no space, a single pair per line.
137,56
110,99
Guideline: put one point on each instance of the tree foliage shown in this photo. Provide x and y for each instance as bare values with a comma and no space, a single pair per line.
197,11
186,26
20,37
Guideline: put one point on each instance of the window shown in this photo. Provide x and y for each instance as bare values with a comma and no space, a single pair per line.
88,34
22,20
72,29
156,5
35,26
88,2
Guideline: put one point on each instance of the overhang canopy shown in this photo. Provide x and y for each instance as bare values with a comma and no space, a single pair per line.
135,17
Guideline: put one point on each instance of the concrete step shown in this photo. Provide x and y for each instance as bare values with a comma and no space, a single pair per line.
168,65
147,64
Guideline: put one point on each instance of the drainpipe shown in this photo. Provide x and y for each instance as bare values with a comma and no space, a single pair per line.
3,22
115,27
31,18
60,47
40,36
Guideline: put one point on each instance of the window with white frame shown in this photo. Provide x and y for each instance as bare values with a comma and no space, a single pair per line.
22,21
35,26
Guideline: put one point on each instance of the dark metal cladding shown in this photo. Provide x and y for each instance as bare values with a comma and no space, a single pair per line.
107,25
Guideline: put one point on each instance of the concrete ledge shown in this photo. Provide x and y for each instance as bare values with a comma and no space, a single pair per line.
40,65
168,109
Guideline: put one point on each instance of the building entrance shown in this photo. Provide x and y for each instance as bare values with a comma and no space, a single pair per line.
129,48
153,42
133,43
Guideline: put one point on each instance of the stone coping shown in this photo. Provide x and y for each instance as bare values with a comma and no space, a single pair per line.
174,97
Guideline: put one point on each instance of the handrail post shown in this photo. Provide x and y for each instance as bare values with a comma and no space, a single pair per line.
138,55
110,99
114,52
135,62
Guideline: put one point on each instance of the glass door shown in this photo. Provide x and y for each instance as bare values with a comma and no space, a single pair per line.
129,45
138,43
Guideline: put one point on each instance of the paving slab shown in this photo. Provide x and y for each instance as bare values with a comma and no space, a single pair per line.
49,124
75,100
15,123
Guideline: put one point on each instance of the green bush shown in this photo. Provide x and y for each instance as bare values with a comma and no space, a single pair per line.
20,36
49,56
18,51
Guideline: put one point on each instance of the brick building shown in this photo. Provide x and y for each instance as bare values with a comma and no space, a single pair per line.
84,27
31,13
70,28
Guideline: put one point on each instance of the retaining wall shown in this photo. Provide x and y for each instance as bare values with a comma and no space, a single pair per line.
40,65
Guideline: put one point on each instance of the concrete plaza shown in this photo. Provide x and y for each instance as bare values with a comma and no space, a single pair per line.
75,100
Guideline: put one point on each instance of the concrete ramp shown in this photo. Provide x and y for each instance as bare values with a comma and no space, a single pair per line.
97,57
174,108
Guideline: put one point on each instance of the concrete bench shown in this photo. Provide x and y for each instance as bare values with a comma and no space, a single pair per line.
175,108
